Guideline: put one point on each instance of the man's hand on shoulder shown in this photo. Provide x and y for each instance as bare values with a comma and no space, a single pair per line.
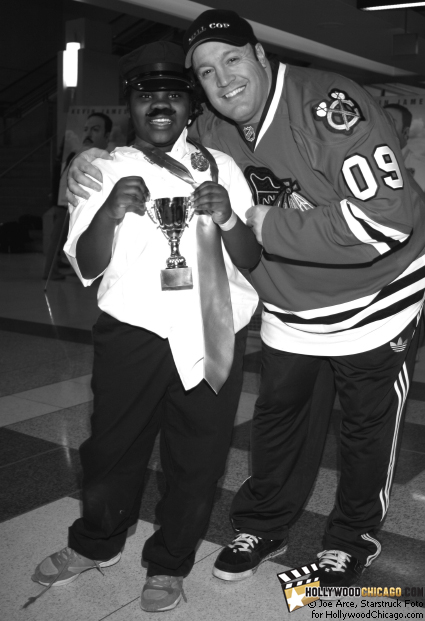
255,218
80,167
213,198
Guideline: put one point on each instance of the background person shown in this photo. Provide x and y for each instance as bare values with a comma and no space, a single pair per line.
402,118
97,131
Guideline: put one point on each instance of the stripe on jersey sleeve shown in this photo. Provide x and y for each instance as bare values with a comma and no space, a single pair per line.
382,238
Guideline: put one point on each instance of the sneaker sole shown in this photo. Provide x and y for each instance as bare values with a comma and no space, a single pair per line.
66,581
170,607
243,575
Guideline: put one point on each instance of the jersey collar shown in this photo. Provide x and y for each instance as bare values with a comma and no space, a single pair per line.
278,71
272,102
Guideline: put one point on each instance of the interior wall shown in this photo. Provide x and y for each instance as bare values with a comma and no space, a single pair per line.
31,34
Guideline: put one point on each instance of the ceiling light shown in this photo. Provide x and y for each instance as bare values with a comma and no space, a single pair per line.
70,65
384,5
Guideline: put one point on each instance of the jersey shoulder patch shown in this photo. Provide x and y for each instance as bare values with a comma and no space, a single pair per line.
340,113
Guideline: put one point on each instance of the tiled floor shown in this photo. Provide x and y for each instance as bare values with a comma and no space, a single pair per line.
45,406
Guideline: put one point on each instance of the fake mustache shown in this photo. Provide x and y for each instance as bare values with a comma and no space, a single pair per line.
160,112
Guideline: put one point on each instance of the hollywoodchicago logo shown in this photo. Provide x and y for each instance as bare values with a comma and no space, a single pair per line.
301,587
294,583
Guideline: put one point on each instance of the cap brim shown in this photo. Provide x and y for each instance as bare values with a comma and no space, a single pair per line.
160,83
234,41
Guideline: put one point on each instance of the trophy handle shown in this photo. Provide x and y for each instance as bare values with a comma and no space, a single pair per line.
190,209
151,211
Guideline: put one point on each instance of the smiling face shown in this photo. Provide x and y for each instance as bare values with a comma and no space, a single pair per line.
235,81
158,117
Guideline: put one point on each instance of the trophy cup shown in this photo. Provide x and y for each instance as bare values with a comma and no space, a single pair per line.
172,215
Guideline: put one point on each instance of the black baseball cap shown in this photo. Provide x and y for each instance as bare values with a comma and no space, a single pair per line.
157,66
217,25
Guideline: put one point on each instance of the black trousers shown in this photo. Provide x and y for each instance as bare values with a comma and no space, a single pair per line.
289,432
137,392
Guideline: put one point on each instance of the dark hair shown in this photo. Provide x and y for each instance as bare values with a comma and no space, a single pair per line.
405,113
106,120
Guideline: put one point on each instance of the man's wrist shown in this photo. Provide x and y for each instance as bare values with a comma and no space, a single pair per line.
230,223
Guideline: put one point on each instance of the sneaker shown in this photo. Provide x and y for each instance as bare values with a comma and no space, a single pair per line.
65,566
241,558
337,568
162,593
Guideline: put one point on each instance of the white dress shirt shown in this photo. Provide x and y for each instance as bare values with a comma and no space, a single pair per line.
130,289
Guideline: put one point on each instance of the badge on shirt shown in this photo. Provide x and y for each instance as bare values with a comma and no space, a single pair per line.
199,162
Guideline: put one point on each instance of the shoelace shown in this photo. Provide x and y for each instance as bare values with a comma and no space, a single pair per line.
336,559
164,581
244,541
68,555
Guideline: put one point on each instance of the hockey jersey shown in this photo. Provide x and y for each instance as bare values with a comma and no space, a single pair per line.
343,268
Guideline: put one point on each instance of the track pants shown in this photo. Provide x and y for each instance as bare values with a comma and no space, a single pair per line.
137,392
288,438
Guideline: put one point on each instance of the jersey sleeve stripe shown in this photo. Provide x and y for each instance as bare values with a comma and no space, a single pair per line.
366,230
359,231
387,233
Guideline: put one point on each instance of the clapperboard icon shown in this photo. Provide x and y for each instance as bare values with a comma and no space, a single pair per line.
294,582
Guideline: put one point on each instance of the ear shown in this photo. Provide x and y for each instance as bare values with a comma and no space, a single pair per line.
261,55
406,132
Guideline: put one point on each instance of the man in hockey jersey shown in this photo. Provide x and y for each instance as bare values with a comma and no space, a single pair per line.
341,278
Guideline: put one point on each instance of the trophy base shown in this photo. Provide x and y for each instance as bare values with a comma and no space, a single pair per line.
176,279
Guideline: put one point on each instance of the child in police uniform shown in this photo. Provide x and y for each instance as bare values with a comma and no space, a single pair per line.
149,343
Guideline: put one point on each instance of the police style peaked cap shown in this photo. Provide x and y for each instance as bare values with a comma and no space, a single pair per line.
217,25
156,66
